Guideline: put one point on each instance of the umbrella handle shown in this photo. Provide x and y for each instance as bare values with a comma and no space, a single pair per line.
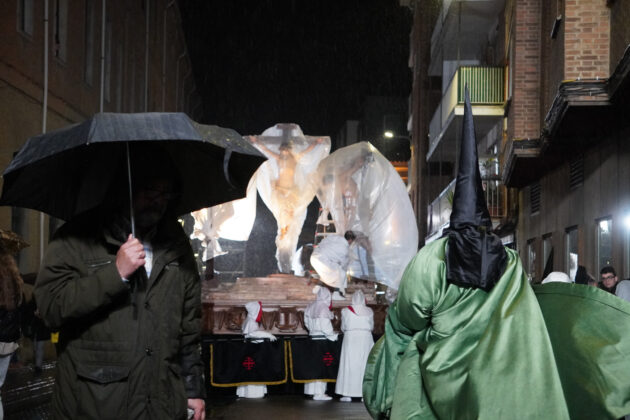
133,222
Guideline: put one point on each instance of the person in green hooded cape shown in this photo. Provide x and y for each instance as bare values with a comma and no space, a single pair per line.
467,337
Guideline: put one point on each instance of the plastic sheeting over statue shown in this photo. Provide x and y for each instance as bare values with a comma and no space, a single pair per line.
364,194
232,220
283,181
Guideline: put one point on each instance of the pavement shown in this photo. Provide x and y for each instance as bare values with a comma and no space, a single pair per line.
26,395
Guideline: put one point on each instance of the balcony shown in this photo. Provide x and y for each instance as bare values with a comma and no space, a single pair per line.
485,85
580,116
462,30
439,211
521,163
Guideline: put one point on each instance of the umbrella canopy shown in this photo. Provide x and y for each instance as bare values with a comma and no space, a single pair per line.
68,171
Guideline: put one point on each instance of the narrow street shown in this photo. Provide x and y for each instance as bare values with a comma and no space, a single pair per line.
26,396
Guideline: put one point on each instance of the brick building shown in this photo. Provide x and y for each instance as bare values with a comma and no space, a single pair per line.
62,61
549,82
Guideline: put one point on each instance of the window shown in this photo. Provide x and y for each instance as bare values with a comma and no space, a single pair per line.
571,261
53,225
534,198
25,17
604,243
60,28
576,172
531,260
18,225
88,74
547,254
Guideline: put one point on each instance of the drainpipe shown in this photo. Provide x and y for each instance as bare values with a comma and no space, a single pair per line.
103,16
194,111
184,88
182,55
146,59
193,90
44,119
168,6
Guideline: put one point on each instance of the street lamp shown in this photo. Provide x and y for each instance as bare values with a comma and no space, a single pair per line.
398,149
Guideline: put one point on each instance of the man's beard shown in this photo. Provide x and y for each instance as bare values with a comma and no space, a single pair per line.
148,219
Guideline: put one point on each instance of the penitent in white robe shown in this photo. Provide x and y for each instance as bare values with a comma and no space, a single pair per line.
355,349
251,330
317,317
323,328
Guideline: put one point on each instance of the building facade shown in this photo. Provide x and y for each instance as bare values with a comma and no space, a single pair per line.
548,82
61,61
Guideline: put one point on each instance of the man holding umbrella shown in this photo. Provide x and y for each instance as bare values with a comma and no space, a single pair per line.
128,308
119,280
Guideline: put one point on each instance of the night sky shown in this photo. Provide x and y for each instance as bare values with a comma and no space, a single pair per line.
311,62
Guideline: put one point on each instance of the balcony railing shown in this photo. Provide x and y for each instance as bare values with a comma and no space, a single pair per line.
439,211
485,86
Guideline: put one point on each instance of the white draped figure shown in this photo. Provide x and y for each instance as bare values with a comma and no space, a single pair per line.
330,260
317,320
557,276
283,181
250,329
357,323
364,194
232,220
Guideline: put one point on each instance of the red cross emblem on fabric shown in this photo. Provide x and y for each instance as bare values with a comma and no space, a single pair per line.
328,358
248,363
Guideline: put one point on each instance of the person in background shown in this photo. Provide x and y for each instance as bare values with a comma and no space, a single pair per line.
250,330
583,277
317,317
41,335
11,298
330,260
623,290
608,279
557,276
357,323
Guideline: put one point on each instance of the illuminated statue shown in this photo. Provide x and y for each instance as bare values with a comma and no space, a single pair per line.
283,181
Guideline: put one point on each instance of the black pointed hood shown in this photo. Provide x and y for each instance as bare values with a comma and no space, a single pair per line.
475,256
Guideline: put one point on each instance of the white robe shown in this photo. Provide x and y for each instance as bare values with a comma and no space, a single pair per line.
319,327
330,260
250,330
355,349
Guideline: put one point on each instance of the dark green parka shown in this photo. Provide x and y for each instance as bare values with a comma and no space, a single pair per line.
125,352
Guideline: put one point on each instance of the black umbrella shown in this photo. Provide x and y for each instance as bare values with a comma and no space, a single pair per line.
68,171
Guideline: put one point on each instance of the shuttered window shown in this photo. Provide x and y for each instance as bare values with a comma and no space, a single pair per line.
534,198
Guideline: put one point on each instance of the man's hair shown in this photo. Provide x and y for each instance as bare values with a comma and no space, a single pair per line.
349,235
607,269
